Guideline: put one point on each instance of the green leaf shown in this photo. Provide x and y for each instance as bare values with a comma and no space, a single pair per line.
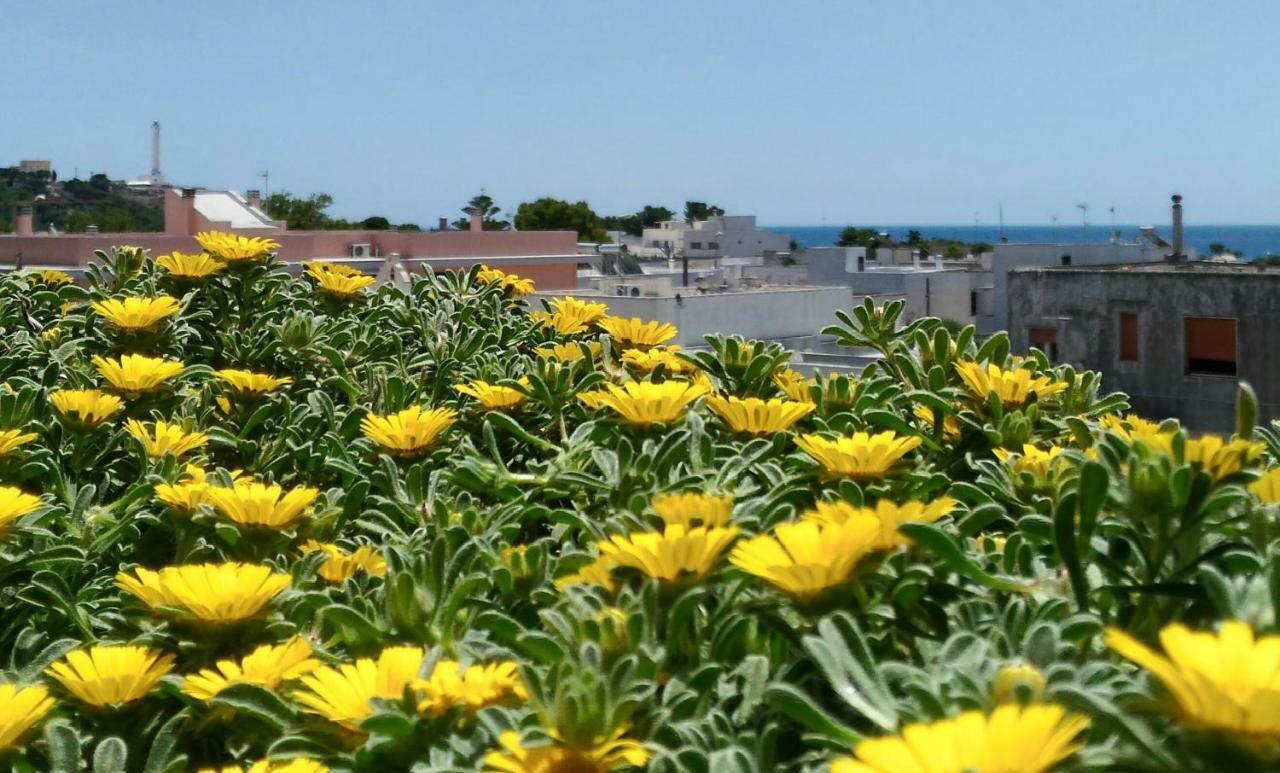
110,755
1067,543
256,701
841,652
941,545
64,746
802,709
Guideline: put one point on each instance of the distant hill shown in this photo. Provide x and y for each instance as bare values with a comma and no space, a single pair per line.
72,205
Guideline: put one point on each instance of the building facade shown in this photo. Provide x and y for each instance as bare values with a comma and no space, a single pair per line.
1176,337
721,236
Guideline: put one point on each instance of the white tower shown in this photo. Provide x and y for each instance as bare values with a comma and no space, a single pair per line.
155,177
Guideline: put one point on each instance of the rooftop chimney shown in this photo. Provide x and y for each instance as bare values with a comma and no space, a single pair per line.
477,222
443,225
254,197
1177,254
22,225
180,211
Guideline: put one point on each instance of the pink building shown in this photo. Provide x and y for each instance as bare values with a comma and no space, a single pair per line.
548,257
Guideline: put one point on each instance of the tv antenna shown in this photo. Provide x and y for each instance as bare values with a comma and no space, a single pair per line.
1084,220
265,174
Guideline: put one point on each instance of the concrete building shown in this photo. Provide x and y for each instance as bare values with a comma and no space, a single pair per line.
1177,337
720,236
548,257
957,290
30,165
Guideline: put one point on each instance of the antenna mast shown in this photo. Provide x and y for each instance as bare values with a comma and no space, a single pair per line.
265,174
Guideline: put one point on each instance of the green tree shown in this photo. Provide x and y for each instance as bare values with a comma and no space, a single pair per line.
635,224
482,203
550,214
700,210
914,238
375,223
852,236
300,214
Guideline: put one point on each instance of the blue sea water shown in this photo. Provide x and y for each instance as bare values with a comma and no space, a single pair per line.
1248,240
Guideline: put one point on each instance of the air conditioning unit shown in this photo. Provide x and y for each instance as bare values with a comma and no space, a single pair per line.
361,251
622,291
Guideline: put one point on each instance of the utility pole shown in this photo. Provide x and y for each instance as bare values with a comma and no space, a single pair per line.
265,174
1084,221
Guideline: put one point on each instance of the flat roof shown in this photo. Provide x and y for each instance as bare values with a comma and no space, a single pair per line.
1248,268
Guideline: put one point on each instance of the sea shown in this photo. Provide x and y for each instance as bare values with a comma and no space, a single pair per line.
1250,241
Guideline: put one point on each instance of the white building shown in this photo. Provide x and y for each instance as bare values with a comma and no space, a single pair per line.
720,236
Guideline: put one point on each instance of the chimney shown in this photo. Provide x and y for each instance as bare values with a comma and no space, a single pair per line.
254,197
1177,254
180,211
22,225
477,222
443,225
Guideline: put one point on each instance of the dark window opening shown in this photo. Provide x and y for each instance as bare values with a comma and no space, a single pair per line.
1210,345
973,303
1066,260
1045,339
1128,337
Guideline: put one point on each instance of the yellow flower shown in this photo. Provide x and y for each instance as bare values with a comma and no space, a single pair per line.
10,439
267,765
268,665
838,392
137,373
950,424
598,572
644,402
693,508
807,558
190,266
1036,461
794,385
20,708
14,503
753,416
212,593
1012,679
636,333
1227,681
344,283
51,335
137,313
514,285
185,495
647,361
1013,387
1012,739
89,407
888,514
50,276
246,382
341,565
494,397
1220,458
231,248
605,754
408,432
1267,488
860,456
167,438
1130,427
249,503
475,687
342,693
571,315
569,352
341,269
674,554
104,674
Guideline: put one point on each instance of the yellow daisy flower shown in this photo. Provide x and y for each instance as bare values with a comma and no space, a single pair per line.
494,397
571,315
89,407
569,352
753,416
644,402
648,360
950,424
50,276
211,593
475,687
636,333
135,313
598,572
249,503
106,674
346,283
185,495
1038,462
1267,487
341,693
1011,739
515,286
887,514
672,555
861,456
246,382
167,438
11,439
409,432
134,374
20,709
15,503
807,558
341,565
231,248
1228,681
604,755
693,508
268,665
1013,387
794,384
190,266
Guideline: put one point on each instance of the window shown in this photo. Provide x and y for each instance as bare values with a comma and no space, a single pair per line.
713,245
1211,345
655,243
1128,336
973,303
695,245
1066,260
1045,339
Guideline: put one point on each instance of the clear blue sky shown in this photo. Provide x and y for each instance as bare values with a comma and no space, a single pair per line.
800,112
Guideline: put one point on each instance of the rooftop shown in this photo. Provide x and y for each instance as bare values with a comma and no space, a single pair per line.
1185,267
